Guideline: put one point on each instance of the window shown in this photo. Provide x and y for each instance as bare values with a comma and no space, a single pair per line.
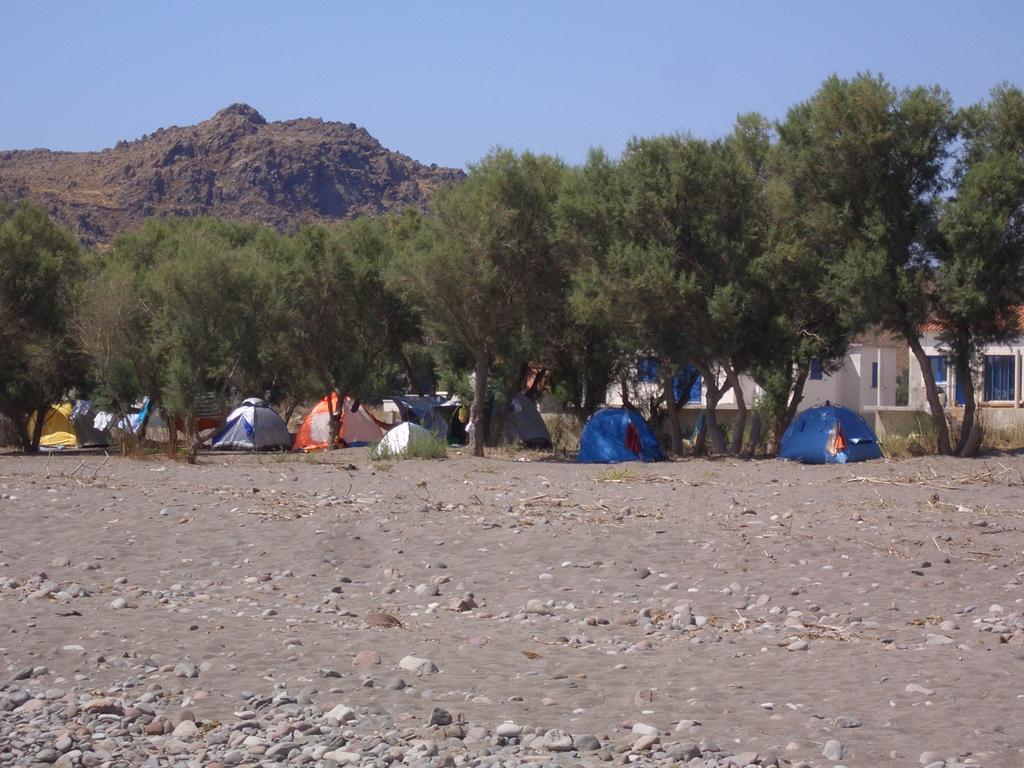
938,368
647,369
999,372
874,375
816,372
686,374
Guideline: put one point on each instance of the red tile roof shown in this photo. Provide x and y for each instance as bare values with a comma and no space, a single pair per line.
934,326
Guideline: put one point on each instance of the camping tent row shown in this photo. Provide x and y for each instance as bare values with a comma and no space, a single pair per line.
255,426
827,434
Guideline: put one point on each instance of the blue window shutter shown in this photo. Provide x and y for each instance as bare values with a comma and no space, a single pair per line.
874,375
647,369
999,377
695,390
816,372
938,368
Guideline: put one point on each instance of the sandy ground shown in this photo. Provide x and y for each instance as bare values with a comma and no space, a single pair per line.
262,572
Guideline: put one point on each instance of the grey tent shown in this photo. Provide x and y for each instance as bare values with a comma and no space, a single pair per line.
253,426
434,413
525,425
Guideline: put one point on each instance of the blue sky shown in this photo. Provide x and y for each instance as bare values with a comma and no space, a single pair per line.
446,81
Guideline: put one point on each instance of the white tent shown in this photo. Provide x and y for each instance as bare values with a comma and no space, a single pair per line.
396,443
253,426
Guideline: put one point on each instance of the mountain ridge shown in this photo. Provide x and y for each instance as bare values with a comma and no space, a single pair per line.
235,165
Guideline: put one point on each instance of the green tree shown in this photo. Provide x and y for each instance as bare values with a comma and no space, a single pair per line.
979,254
593,348
201,310
677,277
343,326
40,263
483,269
802,318
865,165
109,324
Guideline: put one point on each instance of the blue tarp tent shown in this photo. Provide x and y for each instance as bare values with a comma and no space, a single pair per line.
618,434
829,434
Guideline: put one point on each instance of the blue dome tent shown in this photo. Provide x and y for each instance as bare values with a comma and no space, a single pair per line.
252,426
829,434
618,434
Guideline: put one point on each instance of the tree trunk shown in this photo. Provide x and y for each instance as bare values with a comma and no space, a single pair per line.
333,416
796,397
145,424
172,433
714,395
937,411
970,422
755,437
587,402
21,429
476,411
736,445
192,441
674,430
290,410
967,427
624,391
410,374
37,429
972,444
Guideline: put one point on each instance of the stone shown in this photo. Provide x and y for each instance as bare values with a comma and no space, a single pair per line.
341,713
418,665
461,604
440,717
508,730
365,659
798,644
915,688
103,707
537,606
645,742
185,730
556,740
844,721
341,757
642,729
186,670
586,743
833,750
643,697
382,621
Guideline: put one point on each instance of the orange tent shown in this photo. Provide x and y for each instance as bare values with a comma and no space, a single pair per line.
356,426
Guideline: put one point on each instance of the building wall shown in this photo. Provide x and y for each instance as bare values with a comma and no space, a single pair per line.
849,386
947,391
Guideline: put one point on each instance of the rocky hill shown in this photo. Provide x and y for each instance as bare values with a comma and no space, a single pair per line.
235,165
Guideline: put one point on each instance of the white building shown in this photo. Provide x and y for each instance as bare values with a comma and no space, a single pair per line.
866,381
996,380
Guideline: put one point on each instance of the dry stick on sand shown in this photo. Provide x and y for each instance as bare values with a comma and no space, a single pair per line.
955,483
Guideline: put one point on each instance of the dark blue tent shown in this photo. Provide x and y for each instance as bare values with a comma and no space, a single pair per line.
829,434
618,434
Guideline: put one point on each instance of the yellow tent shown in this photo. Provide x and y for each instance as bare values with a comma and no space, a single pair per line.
60,430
